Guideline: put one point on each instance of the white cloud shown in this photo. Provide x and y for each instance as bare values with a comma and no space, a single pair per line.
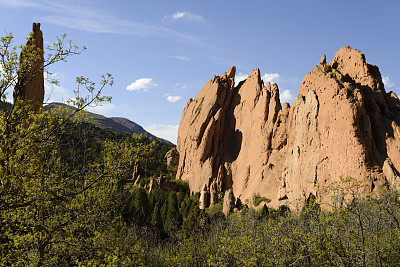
180,57
183,86
174,99
387,82
240,77
267,77
270,77
286,96
53,92
142,83
168,132
102,109
178,15
185,15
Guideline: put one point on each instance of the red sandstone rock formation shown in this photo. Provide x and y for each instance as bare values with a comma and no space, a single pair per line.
342,123
30,85
171,155
229,202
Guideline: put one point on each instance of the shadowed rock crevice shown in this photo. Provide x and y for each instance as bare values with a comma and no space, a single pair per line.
232,139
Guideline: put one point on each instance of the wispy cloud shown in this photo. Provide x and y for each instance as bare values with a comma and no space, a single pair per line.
173,99
168,132
388,83
180,57
270,77
185,16
19,3
90,19
213,57
142,83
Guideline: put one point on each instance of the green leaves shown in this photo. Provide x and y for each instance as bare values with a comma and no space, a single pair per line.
94,96
54,190
364,232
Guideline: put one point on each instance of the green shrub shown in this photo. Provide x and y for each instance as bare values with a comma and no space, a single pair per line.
214,209
257,199
182,185
327,68
350,93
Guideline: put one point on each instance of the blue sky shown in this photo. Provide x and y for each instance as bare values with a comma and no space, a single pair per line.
161,53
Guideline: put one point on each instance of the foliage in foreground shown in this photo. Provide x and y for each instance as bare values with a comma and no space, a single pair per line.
62,194
365,233
168,229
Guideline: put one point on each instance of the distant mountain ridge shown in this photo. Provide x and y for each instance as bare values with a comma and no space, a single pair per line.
113,123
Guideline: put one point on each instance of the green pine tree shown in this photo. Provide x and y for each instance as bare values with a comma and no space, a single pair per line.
141,207
156,220
173,219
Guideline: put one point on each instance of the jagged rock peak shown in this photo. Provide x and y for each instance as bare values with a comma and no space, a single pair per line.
342,123
322,62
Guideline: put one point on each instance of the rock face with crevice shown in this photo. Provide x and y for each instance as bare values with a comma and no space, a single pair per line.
342,123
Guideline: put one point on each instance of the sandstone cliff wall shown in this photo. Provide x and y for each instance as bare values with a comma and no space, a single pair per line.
342,123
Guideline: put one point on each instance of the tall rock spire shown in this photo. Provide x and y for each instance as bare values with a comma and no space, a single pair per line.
30,85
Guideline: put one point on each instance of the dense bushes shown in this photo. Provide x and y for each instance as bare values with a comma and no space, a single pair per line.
365,233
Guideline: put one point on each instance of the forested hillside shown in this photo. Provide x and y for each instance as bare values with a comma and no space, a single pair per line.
113,123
